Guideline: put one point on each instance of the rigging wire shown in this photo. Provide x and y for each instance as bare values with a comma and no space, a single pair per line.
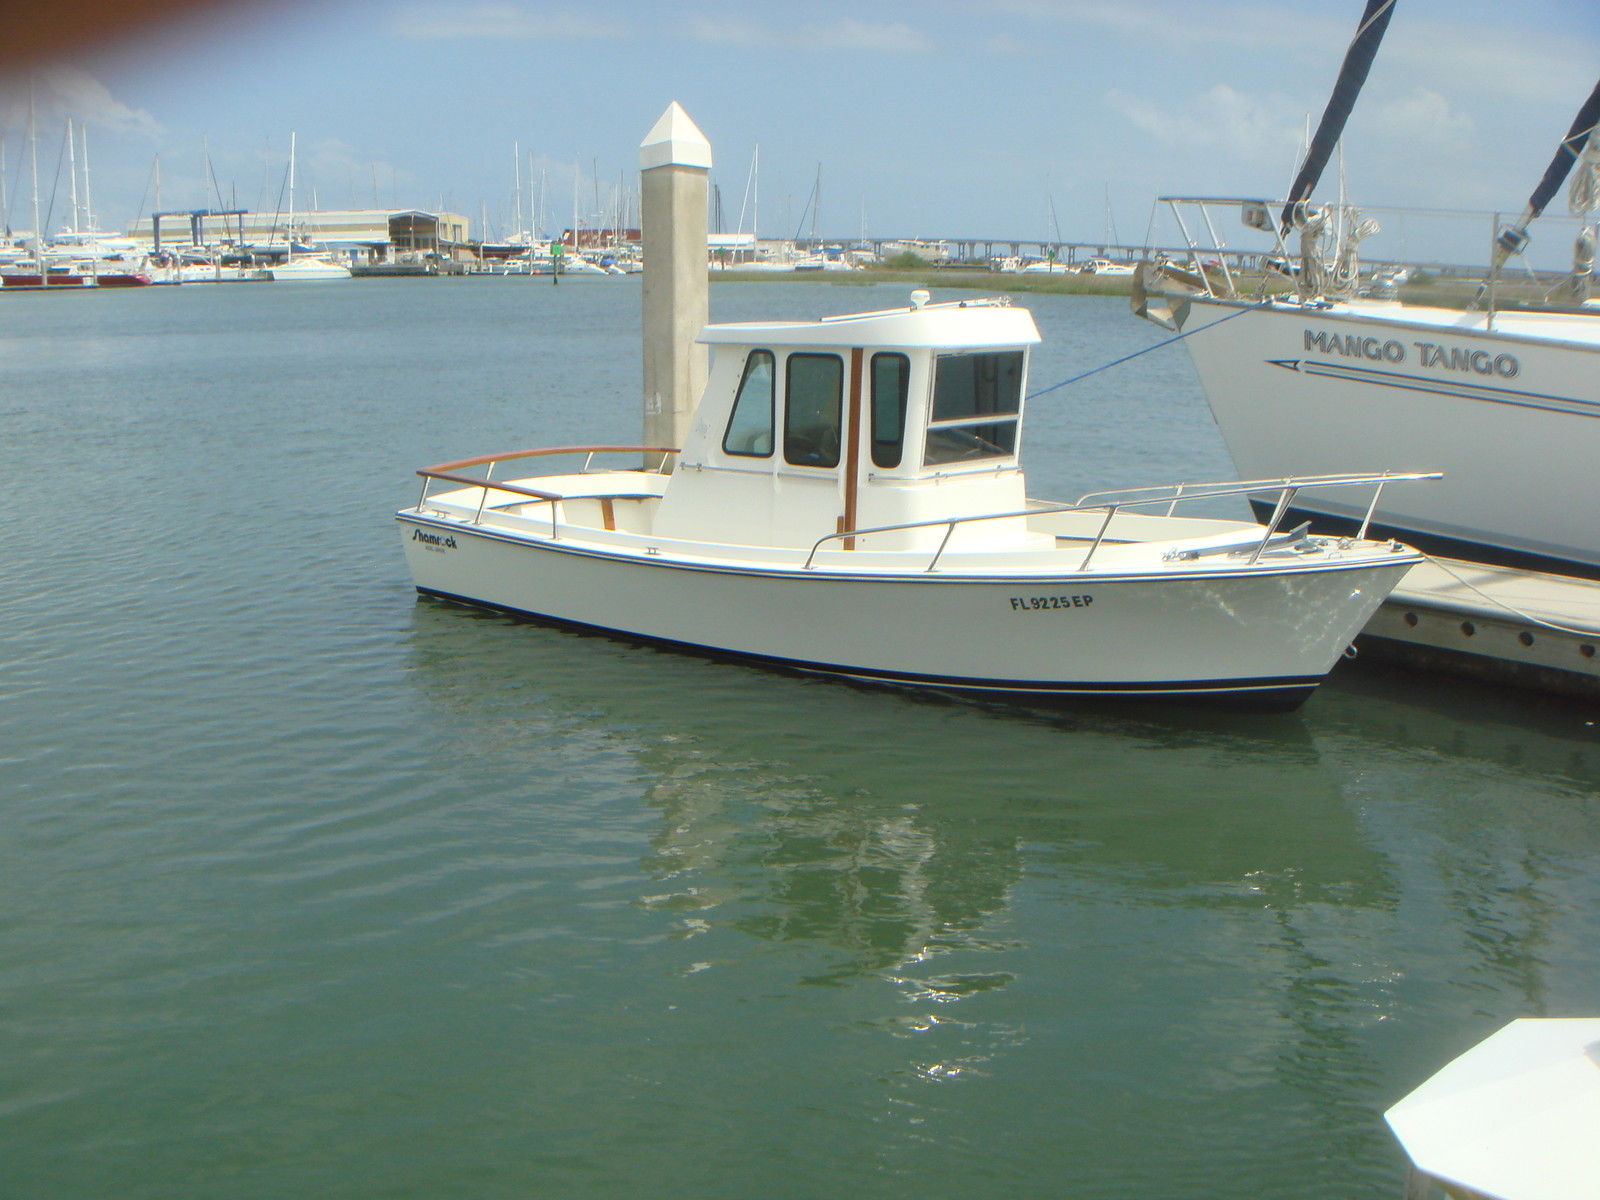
1129,357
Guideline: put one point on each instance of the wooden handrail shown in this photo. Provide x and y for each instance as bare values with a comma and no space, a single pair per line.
490,458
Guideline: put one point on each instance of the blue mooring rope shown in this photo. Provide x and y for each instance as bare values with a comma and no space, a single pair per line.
1127,357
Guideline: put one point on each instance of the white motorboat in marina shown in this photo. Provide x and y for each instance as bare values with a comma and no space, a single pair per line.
1105,266
849,500
297,268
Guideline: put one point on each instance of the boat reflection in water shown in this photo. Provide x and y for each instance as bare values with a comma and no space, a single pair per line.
1258,923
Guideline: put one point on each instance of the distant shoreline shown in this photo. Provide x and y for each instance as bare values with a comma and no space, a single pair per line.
1444,293
980,280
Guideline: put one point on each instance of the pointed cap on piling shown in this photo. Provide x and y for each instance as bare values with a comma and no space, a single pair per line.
674,141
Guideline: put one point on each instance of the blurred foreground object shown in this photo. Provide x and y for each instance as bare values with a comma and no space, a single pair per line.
77,26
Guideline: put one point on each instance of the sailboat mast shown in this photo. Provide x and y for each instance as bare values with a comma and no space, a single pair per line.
72,173
33,154
1352,75
1513,240
816,207
289,223
88,204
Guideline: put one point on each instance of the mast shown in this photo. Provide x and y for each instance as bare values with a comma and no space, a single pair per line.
816,208
88,204
1513,240
533,208
72,173
33,154
1352,75
289,222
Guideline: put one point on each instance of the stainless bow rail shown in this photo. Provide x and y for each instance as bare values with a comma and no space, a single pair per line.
1169,494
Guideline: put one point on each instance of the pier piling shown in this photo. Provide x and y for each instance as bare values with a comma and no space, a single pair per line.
674,161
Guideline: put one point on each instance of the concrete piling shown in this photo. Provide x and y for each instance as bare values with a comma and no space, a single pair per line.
674,161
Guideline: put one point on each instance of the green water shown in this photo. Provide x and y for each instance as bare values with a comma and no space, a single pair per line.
308,888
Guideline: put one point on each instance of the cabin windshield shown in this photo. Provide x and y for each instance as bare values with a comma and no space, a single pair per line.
977,399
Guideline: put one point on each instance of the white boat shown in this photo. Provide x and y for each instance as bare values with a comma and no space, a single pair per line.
1506,404
302,267
849,501
1105,266
576,264
1504,400
297,268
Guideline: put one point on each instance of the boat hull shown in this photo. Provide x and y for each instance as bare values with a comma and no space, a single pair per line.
307,271
1263,639
1513,422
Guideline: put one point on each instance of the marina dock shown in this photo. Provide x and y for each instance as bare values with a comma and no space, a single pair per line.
1492,623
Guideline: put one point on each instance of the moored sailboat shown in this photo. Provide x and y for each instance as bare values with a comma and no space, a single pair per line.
1503,398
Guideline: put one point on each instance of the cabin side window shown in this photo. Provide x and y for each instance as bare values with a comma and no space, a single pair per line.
749,432
891,373
976,402
813,387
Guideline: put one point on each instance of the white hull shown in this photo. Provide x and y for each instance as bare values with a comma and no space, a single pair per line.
1268,635
300,269
1510,415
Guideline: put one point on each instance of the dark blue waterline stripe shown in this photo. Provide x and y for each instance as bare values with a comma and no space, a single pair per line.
1301,684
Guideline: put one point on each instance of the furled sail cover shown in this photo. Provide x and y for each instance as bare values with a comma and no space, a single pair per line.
1567,153
1352,74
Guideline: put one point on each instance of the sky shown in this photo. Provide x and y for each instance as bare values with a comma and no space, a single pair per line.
1004,119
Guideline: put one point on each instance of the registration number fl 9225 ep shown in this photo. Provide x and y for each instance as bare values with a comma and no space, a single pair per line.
1044,603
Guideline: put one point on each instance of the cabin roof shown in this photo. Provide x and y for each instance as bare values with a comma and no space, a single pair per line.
962,324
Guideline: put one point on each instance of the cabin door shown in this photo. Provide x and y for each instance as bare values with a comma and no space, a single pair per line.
875,401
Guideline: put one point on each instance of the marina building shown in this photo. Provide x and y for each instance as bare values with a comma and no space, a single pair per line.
366,235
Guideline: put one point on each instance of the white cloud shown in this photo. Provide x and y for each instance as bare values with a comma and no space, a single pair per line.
1191,28
1469,61
846,35
1422,117
1243,128
60,92
1460,56
500,22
